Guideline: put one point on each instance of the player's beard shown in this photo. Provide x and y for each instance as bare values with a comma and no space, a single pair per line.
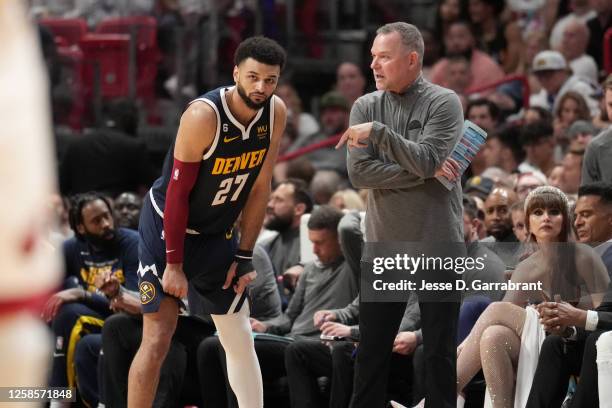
103,242
248,102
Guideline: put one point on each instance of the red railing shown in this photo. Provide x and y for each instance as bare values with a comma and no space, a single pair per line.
510,78
607,51
329,142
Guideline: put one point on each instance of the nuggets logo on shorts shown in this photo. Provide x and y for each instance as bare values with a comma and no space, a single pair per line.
147,292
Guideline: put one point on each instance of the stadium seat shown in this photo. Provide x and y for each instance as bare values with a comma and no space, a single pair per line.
70,30
147,54
110,52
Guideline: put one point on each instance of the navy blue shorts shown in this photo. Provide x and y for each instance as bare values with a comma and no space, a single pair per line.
206,261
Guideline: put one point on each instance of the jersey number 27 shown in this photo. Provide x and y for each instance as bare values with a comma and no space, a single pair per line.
226,185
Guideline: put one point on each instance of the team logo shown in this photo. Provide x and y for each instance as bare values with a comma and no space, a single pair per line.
147,292
230,139
262,131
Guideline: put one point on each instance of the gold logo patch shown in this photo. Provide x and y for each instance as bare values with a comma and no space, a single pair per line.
147,292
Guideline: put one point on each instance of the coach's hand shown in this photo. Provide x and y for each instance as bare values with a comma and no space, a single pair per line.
174,281
356,135
450,170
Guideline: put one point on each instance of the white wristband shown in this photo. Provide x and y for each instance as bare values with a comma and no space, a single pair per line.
591,320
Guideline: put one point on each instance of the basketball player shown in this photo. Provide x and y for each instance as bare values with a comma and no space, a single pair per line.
222,164
29,268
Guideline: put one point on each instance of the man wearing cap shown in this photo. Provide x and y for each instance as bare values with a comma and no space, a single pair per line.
597,165
555,76
333,120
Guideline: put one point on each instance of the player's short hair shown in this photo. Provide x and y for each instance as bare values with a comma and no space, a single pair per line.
325,217
77,202
410,35
261,49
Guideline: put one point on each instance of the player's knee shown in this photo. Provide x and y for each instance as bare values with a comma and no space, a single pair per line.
67,314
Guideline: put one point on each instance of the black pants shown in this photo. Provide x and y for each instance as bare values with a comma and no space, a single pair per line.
306,361
73,321
121,338
213,372
559,361
378,326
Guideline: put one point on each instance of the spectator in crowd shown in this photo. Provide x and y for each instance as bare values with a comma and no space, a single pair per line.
484,15
350,81
571,108
527,182
503,149
324,185
448,11
517,213
127,210
573,47
329,283
347,199
478,186
598,26
485,114
304,123
498,221
334,115
556,79
581,131
560,358
503,326
306,360
555,178
539,145
597,165
458,74
494,267
110,159
537,114
593,217
288,202
581,11
100,260
572,169
460,40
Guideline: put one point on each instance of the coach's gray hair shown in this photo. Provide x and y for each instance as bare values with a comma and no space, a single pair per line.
410,35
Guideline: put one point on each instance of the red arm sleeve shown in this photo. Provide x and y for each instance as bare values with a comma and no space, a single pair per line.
176,211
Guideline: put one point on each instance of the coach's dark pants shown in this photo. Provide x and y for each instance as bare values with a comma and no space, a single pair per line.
378,326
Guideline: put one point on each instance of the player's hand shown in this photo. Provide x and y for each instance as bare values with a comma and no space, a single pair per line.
244,281
108,284
56,301
322,316
356,136
450,170
126,303
174,281
257,326
405,343
336,329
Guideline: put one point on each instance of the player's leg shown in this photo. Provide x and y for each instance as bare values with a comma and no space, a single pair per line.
158,328
243,369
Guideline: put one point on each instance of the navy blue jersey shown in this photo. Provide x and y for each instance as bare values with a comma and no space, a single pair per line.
228,170
121,259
